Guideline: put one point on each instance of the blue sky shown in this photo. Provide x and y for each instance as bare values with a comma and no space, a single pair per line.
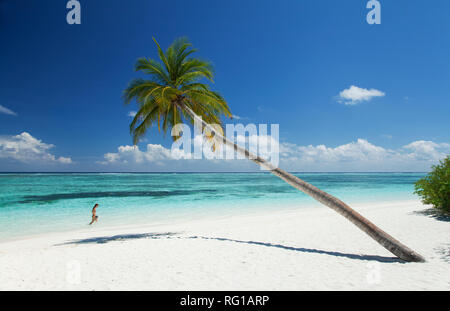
283,62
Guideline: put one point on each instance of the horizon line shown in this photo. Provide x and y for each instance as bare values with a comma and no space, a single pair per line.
210,172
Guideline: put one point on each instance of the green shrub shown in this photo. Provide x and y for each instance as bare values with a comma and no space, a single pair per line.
435,187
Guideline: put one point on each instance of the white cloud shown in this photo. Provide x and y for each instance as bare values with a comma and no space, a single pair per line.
153,153
362,155
359,155
361,150
7,111
65,160
423,150
133,155
132,114
27,149
355,95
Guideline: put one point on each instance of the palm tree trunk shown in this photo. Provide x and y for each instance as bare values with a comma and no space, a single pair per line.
384,239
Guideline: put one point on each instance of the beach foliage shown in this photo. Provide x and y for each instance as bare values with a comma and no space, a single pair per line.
434,188
173,82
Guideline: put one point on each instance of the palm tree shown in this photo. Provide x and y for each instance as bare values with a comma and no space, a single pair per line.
173,94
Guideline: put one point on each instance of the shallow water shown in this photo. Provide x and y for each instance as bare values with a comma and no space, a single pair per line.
40,203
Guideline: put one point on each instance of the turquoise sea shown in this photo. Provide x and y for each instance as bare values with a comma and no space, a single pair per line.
40,203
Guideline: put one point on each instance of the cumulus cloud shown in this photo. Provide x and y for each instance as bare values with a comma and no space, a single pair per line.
27,149
359,155
355,95
427,150
132,154
195,155
65,160
361,150
7,111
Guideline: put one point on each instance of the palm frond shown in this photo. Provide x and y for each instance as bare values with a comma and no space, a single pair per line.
173,82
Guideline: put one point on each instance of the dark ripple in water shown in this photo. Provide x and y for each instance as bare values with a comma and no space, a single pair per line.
116,194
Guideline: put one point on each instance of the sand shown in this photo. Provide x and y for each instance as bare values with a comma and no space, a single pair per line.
307,248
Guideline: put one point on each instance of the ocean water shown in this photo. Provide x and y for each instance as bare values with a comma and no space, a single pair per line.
41,203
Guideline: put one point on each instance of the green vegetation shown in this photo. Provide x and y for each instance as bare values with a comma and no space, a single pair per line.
434,189
173,86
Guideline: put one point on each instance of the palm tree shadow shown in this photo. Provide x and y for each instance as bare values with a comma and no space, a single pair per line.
119,237
311,250
124,237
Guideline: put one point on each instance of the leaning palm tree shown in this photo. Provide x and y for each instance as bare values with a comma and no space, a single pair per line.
173,93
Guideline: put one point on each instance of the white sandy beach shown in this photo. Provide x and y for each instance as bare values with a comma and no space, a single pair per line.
299,249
